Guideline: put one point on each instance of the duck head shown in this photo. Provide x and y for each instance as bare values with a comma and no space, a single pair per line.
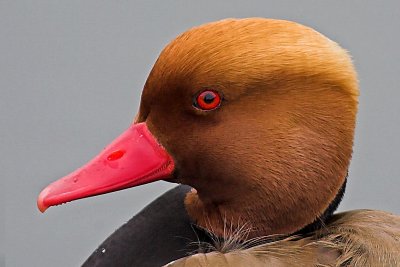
257,115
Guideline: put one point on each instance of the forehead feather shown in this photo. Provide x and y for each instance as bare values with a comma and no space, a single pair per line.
243,51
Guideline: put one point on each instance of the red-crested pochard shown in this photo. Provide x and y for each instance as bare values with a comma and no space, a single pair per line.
257,116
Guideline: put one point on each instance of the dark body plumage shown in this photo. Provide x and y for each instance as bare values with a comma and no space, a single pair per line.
159,234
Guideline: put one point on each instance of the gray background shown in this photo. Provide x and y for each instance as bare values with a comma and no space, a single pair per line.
71,73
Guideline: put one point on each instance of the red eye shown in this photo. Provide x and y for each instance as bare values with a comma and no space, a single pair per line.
207,100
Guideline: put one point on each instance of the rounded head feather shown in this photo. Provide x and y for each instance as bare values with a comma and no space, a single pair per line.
275,152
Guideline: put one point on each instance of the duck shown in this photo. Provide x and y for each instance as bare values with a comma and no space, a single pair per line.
254,119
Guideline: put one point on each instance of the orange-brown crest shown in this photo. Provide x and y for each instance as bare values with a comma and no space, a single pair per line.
276,152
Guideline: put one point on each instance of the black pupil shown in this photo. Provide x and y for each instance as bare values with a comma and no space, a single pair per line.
209,98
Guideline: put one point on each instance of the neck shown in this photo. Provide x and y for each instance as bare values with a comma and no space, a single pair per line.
217,218
320,221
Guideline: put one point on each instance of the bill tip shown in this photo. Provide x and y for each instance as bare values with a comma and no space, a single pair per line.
41,203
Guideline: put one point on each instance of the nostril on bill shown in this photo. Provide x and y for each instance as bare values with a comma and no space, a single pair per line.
116,155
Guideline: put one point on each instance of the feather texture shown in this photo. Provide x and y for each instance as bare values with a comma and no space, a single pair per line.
354,238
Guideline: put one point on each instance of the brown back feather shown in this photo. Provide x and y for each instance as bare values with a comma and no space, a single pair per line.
354,238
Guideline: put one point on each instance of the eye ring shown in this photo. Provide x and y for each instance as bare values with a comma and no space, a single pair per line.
207,100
